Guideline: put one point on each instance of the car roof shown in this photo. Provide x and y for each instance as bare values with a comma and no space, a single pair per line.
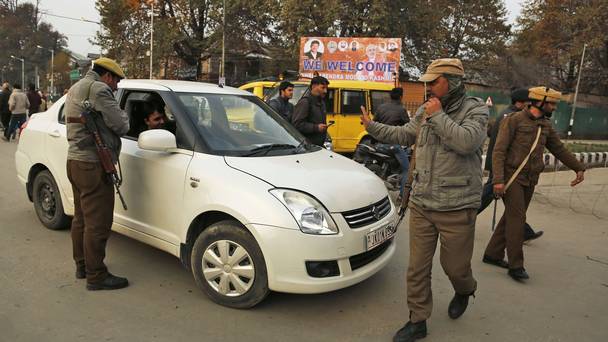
180,86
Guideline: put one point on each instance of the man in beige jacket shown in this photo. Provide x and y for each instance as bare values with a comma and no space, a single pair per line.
448,131
18,104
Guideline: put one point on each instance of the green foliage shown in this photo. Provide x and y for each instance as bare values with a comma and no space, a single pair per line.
551,33
22,31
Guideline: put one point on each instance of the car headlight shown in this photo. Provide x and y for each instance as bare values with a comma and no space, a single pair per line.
311,216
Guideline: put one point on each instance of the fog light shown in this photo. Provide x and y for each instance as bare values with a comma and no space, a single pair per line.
322,269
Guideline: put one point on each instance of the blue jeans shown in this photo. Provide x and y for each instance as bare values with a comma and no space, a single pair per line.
402,156
16,121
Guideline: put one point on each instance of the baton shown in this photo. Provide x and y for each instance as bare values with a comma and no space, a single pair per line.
494,215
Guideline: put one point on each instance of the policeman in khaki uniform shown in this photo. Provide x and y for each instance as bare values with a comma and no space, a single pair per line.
448,131
93,190
516,140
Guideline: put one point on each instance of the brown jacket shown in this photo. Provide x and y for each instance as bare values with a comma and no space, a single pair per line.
515,138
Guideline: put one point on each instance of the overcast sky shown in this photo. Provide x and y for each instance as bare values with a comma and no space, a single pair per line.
78,32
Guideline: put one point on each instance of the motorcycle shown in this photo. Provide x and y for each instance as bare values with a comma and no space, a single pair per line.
383,160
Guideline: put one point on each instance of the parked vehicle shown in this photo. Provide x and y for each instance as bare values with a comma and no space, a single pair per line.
231,189
261,89
381,160
343,105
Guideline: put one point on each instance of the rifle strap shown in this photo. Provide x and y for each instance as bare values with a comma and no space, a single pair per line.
71,119
523,163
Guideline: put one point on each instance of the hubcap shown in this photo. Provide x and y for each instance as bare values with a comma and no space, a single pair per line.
228,268
47,200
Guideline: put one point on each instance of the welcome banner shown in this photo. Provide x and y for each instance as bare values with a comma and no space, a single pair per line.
359,59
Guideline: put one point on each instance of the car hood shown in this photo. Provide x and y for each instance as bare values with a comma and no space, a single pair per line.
339,183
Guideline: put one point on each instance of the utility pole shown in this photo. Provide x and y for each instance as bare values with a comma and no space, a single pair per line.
100,30
223,66
151,36
52,90
22,70
578,82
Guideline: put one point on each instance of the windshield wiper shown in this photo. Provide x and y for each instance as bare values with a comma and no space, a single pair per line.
301,145
264,149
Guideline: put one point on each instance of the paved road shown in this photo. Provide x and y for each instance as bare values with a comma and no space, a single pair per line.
565,300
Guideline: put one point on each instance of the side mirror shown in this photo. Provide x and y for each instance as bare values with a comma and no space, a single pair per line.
157,140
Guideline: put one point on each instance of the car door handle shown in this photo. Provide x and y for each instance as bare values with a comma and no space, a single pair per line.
55,134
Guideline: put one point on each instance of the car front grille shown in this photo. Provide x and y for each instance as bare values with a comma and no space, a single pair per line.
364,216
360,260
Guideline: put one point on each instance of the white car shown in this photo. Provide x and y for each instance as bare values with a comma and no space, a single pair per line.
231,189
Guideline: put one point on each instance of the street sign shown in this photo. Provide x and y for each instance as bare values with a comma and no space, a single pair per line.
75,75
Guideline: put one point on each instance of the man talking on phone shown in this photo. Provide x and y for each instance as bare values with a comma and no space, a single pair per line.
448,132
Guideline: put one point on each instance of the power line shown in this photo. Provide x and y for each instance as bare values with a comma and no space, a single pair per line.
70,18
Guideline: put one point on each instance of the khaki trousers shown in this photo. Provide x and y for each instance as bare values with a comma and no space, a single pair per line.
509,232
456,232
93,215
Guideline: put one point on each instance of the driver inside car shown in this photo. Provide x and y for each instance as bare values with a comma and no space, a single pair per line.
154,116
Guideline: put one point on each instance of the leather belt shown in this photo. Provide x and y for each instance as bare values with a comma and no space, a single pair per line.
72,119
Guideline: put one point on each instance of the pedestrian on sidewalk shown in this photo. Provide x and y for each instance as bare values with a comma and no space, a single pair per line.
517,162
5,113
393,113
519,100
448,131
281,103
309,115
35,99
18,104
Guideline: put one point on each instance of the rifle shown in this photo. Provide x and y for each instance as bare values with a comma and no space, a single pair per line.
407,187
89,119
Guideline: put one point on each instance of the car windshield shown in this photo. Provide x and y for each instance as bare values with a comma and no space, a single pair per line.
298,91
241,125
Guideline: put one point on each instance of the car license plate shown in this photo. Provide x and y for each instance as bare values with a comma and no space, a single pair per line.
378,236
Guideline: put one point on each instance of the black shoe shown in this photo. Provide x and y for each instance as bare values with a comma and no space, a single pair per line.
496,262
533,236
5,138
518,274
411,332
458,305
111,282
80,272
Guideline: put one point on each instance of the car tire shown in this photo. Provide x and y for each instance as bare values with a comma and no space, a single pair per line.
47,202
228,265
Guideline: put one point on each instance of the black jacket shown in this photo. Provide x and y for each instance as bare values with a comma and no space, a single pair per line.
282,106
4,96
493,132
307,115
391,113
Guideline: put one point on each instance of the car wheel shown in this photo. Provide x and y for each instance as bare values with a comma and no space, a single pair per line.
228,266
47,202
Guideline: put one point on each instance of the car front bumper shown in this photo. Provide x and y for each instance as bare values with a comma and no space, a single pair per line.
286,252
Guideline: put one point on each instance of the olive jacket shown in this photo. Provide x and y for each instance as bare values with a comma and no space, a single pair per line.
515,139
448,172
115,120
